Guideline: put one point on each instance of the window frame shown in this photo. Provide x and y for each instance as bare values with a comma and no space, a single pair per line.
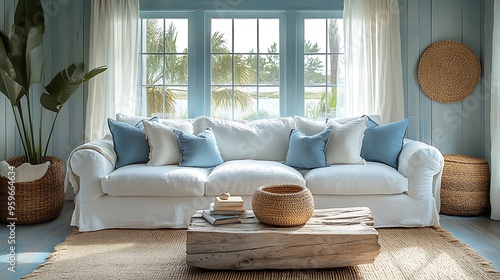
189,15
209,15
301,17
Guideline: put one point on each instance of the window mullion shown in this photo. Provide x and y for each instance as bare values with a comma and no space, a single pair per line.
164,70
326,68
232,69
257,70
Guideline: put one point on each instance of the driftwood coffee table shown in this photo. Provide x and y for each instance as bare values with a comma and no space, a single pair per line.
331,238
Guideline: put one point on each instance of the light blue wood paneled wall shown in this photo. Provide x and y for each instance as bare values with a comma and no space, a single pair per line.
461,127
8,139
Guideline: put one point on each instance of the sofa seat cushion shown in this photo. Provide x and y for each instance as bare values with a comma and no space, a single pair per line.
242,177
167,180
371,178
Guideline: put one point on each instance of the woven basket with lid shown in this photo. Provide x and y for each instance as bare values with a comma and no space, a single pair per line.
283,205
465,185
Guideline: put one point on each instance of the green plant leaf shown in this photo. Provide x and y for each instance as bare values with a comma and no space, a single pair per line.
34,55
18,41
65,84
29,14
94,72
10,88
50,103
26,42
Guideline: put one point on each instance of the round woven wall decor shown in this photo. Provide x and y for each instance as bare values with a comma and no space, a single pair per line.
448,71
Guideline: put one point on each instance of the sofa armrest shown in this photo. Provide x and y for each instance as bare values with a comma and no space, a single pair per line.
87,164
423,165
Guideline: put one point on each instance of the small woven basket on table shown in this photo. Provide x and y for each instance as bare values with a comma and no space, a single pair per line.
283,205
465,185
36,201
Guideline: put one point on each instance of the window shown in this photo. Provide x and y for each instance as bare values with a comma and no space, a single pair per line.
245,68
164,67
241,64
324,66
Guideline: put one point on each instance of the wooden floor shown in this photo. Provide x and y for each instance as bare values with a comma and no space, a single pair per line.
34,243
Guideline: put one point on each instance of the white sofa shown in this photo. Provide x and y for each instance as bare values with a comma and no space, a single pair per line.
142,196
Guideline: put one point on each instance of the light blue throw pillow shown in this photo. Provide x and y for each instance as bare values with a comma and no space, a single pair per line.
129,142
307,151
383,143
198,150
370,123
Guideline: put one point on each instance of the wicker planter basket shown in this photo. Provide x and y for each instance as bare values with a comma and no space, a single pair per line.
36,201
465,186
283,205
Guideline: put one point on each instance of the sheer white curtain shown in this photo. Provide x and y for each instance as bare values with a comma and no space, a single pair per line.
495,115
113,42
374,75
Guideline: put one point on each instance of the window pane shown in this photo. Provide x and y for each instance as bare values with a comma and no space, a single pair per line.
155,97
321,102
154,65
312,97
222,65
335,35
153,37
167,102
222,35
314,35
176,69
222,102
245,103
181,95
269,35
336,69
176,35
269,70
314,69
269,102
245,69
245,35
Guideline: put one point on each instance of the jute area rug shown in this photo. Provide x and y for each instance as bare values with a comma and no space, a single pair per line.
416,253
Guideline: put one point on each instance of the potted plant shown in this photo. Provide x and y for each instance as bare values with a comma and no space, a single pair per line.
21,66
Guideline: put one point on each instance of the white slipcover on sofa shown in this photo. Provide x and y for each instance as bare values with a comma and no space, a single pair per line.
166,196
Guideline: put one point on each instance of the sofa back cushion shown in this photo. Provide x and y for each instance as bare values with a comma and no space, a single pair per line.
186,124
264,139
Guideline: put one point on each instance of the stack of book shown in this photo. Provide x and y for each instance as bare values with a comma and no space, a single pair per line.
231,205
225,211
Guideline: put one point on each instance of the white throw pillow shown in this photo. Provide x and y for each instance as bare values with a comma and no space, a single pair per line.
163,146
346,139
309,127
344,145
